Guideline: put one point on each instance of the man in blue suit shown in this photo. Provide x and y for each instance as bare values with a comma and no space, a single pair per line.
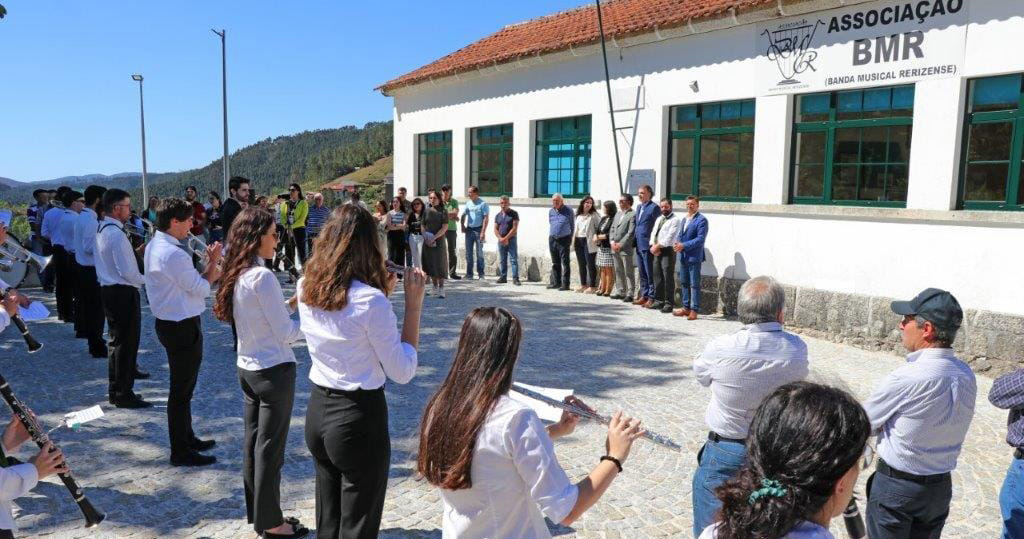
646,214
690,246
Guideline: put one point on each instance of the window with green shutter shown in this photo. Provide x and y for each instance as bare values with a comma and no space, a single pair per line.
563,157
992,170
434,166
711,150
491,159
853,147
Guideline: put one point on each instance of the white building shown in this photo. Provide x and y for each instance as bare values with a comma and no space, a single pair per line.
850,149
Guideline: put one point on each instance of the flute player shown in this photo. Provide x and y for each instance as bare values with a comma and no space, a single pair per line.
491,456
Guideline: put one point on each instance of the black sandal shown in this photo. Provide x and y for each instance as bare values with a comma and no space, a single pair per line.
298,530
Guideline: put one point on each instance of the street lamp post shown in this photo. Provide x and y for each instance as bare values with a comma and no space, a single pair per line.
142,121
224,91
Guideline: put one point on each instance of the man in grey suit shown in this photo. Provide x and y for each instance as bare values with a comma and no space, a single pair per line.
623,240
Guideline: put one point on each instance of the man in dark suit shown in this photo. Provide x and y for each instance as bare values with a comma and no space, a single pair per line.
690,246
646,214
238,192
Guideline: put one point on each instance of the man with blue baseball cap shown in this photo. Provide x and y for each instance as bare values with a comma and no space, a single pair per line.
920,412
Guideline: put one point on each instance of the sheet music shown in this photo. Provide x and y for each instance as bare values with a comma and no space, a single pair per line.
74,419
35,311
544,411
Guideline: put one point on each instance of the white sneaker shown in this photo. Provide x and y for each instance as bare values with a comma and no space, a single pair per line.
440,293
426,292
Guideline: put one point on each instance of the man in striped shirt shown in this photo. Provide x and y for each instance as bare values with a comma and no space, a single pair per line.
741,369
318,215
921,412
1008,393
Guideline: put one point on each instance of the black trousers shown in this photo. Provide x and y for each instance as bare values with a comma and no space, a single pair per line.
397,247
560,269
665,276
587,263
453,257
76,293
268,395
899,508
347,433
297,242
6,534
64,285
184,344
89,315
124,316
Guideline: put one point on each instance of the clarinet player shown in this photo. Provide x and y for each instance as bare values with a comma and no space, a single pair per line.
117,270
17,479
177,297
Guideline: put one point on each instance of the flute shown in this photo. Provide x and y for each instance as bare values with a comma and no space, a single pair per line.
586,414
394,268
39,436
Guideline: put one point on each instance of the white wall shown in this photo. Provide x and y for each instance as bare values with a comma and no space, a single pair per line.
867,253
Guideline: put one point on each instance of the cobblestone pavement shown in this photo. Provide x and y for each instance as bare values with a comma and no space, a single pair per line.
614,355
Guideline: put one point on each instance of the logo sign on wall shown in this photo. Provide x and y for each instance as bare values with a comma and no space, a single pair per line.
876,44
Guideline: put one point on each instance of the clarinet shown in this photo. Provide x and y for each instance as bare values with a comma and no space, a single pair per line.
854,523
30,341
39,436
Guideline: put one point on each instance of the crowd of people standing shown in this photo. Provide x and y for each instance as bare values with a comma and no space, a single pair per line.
781,458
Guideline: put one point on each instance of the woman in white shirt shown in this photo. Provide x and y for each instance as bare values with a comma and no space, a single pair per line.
805,449
250,297
491,456
585,245
352,335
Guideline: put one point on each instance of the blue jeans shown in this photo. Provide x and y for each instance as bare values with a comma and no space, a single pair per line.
509,255
474,246
645,263
689,282
1011,501
716,463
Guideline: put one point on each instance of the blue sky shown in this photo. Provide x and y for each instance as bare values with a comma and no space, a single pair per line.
68,105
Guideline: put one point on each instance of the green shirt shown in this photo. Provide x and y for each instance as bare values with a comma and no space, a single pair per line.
452,205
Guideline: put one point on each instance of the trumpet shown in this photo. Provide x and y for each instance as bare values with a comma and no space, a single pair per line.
15,252
195,246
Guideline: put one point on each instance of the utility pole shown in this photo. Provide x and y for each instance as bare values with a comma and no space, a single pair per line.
611,108
142,121
224,91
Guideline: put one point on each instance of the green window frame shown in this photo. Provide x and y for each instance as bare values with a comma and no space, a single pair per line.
434,163
992,162
491,159
852,147
562,158
711,150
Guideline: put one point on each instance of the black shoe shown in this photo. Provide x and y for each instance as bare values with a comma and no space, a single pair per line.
516,282
656,305
627,299
455,277
193,459
110,398
564,288
501,280
140,375
203,445
552,286
99,353
131,401
297,531
667,308
615,296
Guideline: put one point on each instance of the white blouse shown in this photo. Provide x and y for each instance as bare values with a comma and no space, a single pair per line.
264,327
358,346
517,481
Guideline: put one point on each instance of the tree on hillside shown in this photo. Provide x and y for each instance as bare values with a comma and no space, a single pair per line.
3,11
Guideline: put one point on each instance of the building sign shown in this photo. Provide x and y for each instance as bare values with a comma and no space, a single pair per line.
874,44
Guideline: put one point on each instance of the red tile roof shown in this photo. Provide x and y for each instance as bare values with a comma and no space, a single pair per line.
568,29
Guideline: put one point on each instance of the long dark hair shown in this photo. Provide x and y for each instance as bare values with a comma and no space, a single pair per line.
806,437
481,373
579,210
243,243
348,247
